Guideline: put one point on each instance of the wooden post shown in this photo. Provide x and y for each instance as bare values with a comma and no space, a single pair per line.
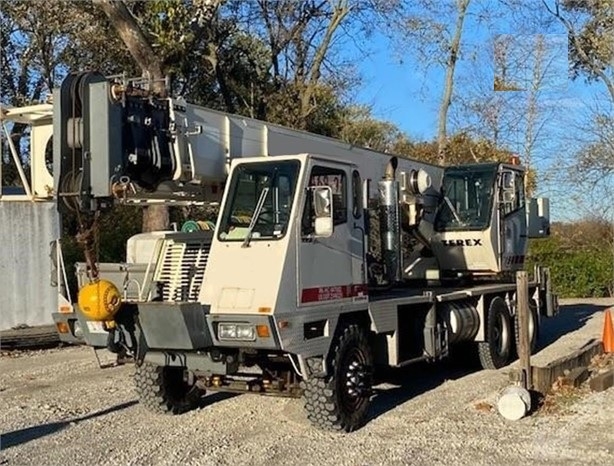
524,346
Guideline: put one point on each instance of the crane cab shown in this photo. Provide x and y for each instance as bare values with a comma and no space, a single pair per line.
483,218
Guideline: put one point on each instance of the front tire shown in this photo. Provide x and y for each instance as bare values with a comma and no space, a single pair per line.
496,351
340,401
163,390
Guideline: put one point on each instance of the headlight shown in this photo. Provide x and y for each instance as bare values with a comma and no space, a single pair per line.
78,331
243,332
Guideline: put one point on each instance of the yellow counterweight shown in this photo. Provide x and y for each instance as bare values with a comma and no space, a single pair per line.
99,300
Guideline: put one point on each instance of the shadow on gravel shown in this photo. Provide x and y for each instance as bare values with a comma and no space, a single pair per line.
420,378
414,381
215,397
18,437
569,319
21,436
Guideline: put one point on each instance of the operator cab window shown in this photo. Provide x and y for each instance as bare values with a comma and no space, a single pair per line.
259,201
466,201
337,181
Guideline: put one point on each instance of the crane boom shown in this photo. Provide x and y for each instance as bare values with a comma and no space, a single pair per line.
114,140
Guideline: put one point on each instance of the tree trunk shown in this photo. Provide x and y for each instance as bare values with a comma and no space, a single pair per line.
136,42
307,90
442,134
532,111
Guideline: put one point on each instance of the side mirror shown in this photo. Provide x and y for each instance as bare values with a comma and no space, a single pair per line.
538,218
323,209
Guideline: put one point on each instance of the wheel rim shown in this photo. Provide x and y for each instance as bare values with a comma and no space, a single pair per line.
355,384
532,324
500,336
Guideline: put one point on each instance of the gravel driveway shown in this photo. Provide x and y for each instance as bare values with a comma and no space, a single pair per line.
58,407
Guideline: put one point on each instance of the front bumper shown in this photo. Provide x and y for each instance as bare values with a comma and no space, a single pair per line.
186,326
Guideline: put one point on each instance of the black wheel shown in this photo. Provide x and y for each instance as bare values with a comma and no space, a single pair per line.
496,351
340,401
162,389
533,327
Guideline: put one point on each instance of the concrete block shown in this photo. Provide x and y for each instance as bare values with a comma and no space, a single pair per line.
603,381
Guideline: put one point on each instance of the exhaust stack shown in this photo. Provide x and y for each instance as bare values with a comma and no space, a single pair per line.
390,223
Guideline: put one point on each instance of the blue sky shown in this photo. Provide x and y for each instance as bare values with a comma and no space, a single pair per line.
391,85
394,87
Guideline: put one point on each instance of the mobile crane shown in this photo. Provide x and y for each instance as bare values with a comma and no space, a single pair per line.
326,261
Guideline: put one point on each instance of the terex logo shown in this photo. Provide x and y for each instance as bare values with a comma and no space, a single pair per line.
461,242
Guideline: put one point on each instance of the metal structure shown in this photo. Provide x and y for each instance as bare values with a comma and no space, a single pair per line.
38,186
30,221
326,260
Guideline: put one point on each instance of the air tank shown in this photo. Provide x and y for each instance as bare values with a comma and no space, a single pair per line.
462,320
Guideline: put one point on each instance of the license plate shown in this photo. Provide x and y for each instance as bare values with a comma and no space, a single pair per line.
95,327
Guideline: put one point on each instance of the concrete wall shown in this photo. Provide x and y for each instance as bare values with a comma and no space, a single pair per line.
26,231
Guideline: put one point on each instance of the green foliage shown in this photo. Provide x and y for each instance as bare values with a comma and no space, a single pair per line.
325,118
360,128
580,257
461,148
593,50
116,226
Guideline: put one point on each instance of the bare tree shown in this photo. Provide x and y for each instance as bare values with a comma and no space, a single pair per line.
33,45
521,110
537,112
300,38
446,100
590,30
432,32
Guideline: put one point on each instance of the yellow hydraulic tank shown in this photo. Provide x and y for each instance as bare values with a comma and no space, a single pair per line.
99,300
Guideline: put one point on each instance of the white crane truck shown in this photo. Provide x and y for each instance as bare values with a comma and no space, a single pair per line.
327,261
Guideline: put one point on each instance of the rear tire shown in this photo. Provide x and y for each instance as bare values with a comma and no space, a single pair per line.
340,401
496,351
163,390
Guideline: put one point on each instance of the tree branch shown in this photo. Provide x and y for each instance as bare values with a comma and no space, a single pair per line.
581,52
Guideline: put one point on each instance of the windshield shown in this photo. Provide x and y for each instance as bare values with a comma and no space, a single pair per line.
259,202
467,196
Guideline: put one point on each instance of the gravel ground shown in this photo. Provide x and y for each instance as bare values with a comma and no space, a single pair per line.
58,407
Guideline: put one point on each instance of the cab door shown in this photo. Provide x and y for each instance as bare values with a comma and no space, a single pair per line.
513,220
330,266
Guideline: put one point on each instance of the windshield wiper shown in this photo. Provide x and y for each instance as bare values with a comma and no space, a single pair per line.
252,222
452,209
